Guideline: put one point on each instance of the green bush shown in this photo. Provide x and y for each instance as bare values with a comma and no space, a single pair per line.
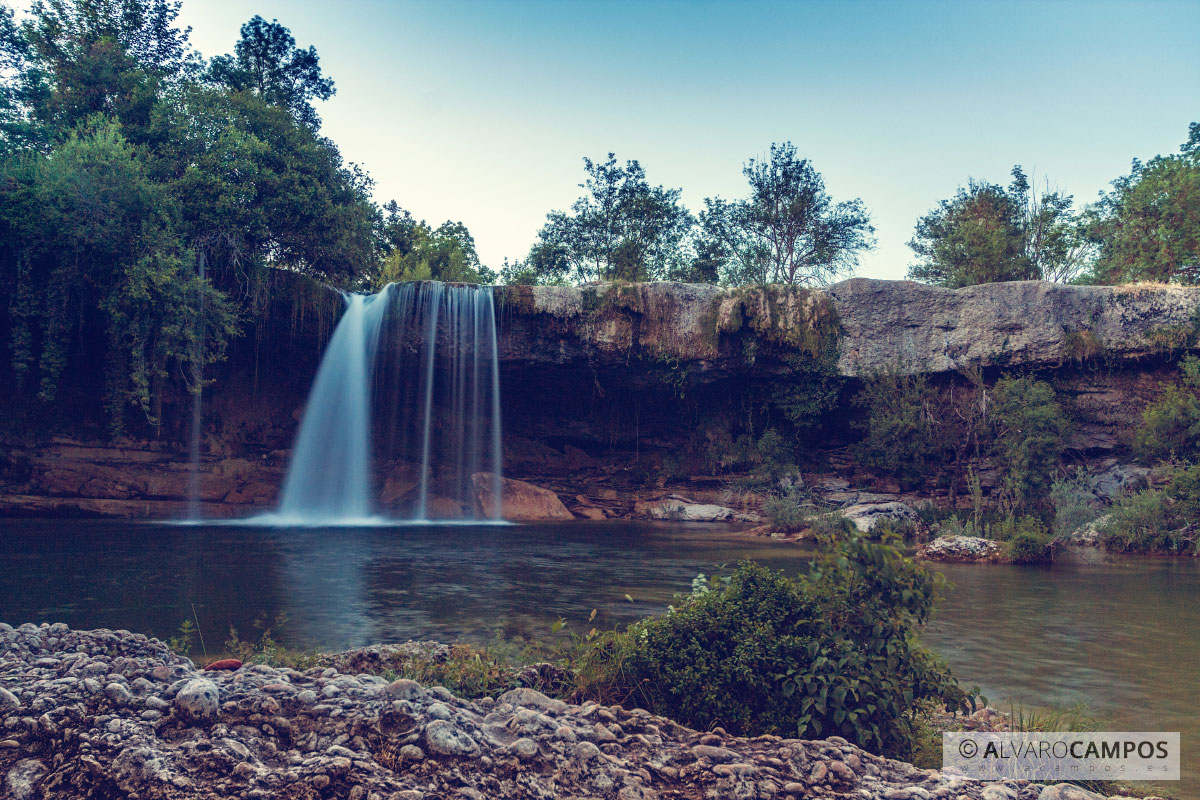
900,434
834,652
789,512
1029,428
1170,426
1026,538
1163,520
1073,504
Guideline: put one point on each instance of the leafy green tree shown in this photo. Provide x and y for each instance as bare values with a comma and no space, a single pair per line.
261,190
1029,437
267,62
989,233
788,231
1148,227
71,59
1170,427
87,233
417,252
622,228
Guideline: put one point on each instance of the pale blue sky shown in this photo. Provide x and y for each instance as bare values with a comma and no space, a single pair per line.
481,111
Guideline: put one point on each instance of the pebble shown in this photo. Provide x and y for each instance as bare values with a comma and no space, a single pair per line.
130,714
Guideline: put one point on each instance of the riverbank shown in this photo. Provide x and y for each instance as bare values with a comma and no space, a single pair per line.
90,711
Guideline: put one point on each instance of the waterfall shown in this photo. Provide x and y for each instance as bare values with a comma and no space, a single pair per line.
410,381
328,479
442,385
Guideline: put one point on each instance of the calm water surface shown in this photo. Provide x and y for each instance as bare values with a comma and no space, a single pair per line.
1122,637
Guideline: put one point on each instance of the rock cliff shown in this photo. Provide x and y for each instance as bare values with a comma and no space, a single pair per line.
878,325
606,386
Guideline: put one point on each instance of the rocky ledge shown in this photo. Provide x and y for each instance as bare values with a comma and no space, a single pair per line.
878,325
109,713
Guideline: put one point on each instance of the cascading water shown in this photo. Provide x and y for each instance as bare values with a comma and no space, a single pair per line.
328,480
445,381
424,357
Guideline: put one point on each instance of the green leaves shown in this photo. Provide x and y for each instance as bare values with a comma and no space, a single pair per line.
837,649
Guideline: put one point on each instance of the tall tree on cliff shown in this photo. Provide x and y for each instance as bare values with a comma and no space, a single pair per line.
788,231
622,228
267,62
1148,226
988,233
123,174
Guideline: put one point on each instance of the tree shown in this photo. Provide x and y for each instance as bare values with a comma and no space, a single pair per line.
988,233
414,251
71,59
621,228
789,230
1030,431
1148,227
261,190
267,62
90,245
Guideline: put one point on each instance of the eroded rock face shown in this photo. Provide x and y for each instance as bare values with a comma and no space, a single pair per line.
885,325
278,733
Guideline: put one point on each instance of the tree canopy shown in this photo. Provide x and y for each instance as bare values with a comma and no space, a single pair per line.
788,230
1148,226
988,233
620,228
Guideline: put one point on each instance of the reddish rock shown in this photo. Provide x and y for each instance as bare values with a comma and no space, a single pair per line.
520,501
225,663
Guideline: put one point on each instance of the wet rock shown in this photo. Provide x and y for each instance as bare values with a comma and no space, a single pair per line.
519,501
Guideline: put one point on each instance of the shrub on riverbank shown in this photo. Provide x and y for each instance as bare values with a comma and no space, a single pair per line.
755,652
1026,539
1157,520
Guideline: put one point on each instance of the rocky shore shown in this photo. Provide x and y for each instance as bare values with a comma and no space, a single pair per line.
114,714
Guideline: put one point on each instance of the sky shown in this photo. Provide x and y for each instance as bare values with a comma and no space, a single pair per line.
482,110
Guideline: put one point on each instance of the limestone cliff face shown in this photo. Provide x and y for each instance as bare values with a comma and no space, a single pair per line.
878,325
607,387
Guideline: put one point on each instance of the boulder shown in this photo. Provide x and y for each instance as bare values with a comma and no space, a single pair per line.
519,501
684,511
968,549
866,515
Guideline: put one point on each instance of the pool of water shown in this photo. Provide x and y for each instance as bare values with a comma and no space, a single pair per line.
1122,637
